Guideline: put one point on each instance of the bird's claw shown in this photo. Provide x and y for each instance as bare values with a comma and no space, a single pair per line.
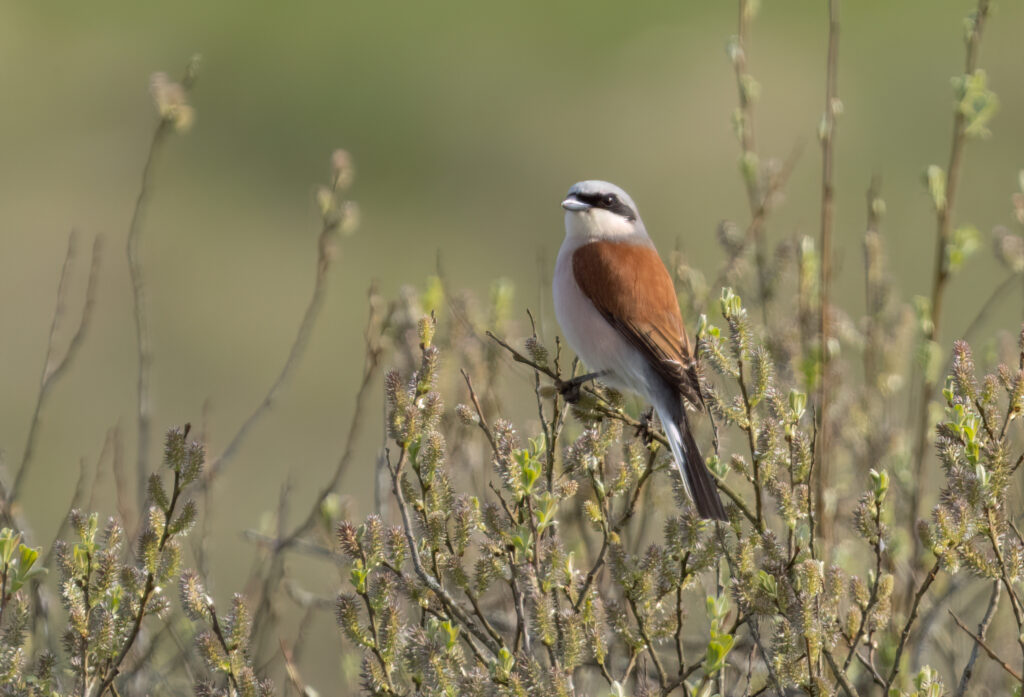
570,390
645,429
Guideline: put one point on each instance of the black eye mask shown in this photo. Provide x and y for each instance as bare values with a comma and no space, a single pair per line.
609,202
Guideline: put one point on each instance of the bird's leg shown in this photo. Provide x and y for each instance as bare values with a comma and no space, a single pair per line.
570,389
645,430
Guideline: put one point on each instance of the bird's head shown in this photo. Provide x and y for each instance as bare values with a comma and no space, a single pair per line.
601,210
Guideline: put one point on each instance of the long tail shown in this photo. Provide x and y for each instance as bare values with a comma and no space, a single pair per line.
696,477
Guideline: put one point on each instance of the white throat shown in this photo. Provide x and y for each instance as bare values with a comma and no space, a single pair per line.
600,224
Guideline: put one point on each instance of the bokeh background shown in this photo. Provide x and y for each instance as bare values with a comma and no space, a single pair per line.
467,122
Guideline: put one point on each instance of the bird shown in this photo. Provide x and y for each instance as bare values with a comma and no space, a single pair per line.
617,307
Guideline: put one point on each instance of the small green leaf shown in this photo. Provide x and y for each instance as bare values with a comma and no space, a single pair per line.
717,650
358,577
880,483
797,403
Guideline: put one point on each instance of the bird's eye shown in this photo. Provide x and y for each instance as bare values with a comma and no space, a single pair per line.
609,199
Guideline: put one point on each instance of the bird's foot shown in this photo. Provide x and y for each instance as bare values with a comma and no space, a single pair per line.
645,429
569,389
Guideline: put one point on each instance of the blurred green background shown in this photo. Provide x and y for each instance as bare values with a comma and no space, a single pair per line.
467,122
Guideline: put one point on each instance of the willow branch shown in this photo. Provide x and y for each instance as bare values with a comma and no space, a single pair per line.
617,414
979,639
295,353
827,195
944,216
925,585
53,368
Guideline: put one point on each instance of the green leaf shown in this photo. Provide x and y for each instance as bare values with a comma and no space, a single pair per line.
358,577
880,483
522,540
717,650
797,403
8,543
767,583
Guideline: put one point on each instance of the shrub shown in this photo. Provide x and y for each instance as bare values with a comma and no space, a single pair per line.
550,558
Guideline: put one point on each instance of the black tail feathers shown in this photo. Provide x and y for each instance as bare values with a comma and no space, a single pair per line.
702,485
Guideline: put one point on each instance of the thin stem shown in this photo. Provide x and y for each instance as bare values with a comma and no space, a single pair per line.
873,290
679,615
219,633
53,369
430,581
1015,603
979,639
142,338
840,674
755,201
877,546
295,353
758,216
827,187
374,330
113,669
371,364
997,294
754,457
944,216
641,625
925,585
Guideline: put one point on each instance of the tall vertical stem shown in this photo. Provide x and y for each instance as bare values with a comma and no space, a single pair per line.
827,165
944,217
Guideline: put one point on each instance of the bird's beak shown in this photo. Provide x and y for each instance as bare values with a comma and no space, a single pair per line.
575,205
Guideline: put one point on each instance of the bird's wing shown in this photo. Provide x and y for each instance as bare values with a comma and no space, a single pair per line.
630,287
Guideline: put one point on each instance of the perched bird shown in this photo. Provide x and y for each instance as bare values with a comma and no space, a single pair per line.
617,307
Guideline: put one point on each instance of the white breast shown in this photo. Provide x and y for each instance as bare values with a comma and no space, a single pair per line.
598,344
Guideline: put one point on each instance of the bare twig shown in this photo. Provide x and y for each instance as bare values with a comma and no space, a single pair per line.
145,351
925,585
286,541
758,216
325,256
745,131
848,689
642,626
827,135
54,368
40,595
997,294
163,129
944,216
755,457
375,327
979,639
480,418
873,296
294,677
869,666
